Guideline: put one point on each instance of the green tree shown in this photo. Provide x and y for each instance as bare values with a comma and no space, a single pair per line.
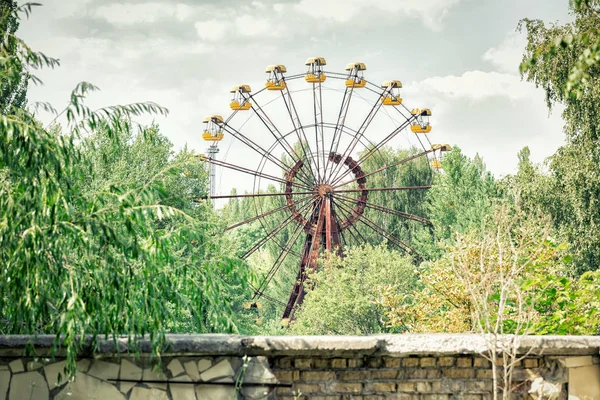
346,296
13,85
563,59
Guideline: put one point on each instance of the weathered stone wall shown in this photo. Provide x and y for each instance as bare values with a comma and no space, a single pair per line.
215,367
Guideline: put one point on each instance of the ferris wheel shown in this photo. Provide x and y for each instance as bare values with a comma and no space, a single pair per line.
311,154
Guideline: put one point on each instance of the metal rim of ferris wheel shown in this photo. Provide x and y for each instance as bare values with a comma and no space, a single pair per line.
325,188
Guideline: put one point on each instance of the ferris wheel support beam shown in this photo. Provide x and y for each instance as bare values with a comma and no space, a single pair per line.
387,167
372,150
258,149
279,137
359,134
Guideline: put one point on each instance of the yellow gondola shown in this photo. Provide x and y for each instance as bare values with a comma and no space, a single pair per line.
213,132
441,147
239,101
436,164
315,72
391,97
355,75
275,79
421,122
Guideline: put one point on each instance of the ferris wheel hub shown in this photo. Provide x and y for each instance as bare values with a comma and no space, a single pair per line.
324,190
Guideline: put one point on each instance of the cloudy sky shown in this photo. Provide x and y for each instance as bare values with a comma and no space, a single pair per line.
458,57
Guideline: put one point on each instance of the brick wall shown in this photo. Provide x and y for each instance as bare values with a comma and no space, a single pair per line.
224,367
410,378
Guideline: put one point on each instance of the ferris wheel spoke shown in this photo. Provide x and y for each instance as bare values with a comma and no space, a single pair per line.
351,227
385,189
404,161
233,196
344,107
249,171
279,261
258,149
279,137
372,150
387,210
359,134
256,296
249,220
274,232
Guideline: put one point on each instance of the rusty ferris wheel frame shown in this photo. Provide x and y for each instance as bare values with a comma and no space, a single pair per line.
317,174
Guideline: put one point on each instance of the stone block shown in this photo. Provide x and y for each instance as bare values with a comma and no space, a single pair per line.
383,374
191,368
391,362
346,387
284,362
204,364
484,374
29,385
52,372
433,373
446,361
4,382
464,362
339,363
317,375
258,371
410,362
140,393
458,373
355,363
374,362
424,387
416,373
182,391
478,386
321,363
303,363
427,362
221,370
533,362
149,374
380,387
406,386
85,385
287,376
129,371
83,365
307,388
435,397
16,366
104,370
34,365
215,392
175,367
481,362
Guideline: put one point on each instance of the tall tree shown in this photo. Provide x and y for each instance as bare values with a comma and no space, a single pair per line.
565,61
13,86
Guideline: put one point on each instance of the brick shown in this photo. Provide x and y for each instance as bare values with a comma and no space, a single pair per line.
372,397
458,373
303,363
474,386
427,362
464,362
317,375
285,376
346,387
435,396
423,387
306,388
530,363
354,375
410,362
481,363
330,397
339,363
374,362
484,374
284,363
380,387
451,386
405,396
383,374
321,363
406,386
471,397
416,373
433,373
355,363
446,361
391,362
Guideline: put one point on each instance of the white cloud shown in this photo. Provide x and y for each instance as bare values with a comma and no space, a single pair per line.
248,25
431,12
508,55
212,30
130,14
478,85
